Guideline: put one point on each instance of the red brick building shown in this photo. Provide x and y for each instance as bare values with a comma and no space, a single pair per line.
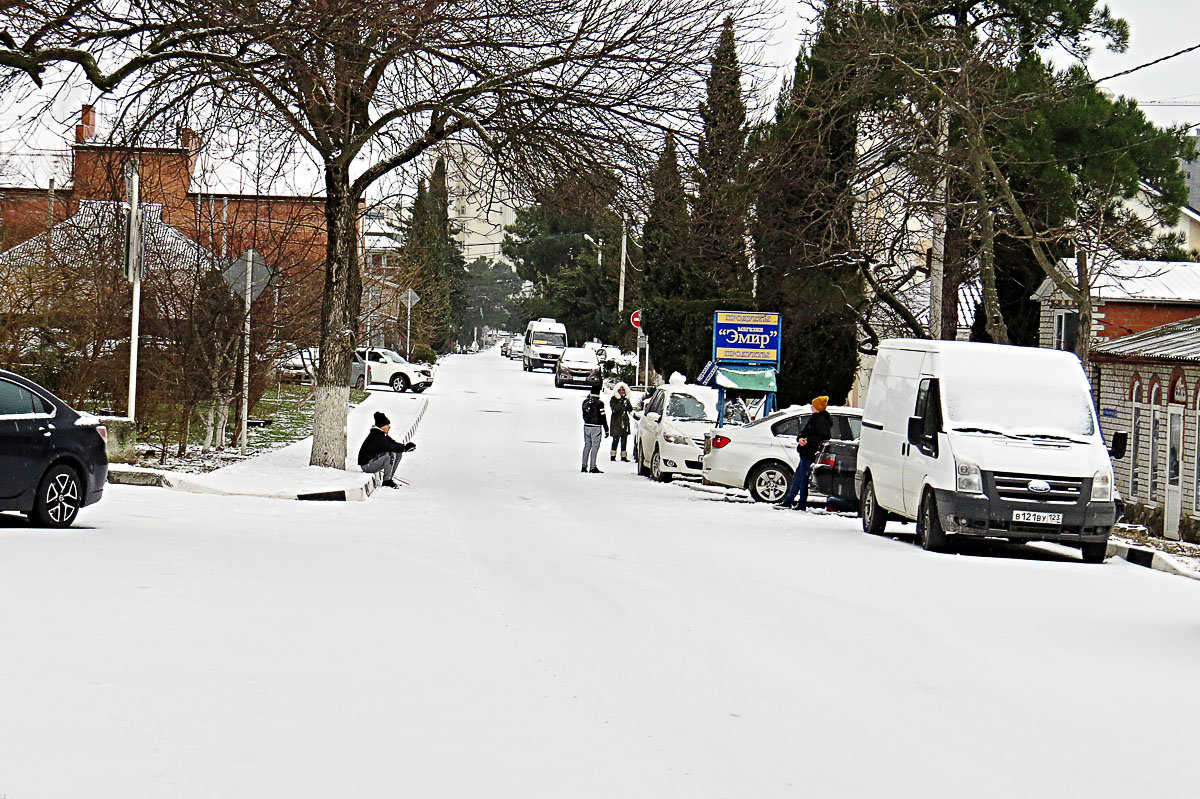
287,231
1129,297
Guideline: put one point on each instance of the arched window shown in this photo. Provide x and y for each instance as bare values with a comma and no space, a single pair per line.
1156,437
1135,462
1178,393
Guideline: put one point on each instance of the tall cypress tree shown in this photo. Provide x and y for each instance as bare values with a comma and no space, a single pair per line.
803,231
665,234
722,203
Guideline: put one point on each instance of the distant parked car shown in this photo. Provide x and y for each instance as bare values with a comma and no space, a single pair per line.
298,365
52,459
389,367
833,474
578,365
672,424
761,456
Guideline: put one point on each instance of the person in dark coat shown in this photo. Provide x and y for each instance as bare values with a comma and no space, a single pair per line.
595,427
621,407
816,431
380,453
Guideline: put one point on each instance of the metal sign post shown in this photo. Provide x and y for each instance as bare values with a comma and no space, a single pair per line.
133,272
408,299
247,276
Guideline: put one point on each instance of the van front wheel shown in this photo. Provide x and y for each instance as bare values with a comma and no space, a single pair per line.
874,518
1094,552
929,526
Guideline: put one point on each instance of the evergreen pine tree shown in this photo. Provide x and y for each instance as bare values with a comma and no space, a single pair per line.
719,217
803,227
665,234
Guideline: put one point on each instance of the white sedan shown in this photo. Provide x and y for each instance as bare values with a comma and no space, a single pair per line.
761,456
672,423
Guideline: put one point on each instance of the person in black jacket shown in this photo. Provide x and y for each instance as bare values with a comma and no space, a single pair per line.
595,427
621,409
380,453
816,431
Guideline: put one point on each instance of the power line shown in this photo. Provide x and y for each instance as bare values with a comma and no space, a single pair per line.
1131,70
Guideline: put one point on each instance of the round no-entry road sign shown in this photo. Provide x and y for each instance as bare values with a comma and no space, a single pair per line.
636,319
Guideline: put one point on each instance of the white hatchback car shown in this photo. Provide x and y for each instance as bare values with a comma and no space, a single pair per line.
761,456
389,367
672,423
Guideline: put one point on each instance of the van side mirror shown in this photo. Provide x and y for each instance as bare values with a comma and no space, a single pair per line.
916,429
1119,444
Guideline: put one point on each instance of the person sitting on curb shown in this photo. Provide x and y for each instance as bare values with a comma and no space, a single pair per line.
380,453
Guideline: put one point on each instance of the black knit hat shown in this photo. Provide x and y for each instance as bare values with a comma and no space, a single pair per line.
381,420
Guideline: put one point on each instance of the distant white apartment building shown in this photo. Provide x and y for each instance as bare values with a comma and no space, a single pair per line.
481,205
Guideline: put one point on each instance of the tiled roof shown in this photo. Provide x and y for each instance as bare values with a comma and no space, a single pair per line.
1176,341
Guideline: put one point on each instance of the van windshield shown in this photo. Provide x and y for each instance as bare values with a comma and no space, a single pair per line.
548,339
1020,404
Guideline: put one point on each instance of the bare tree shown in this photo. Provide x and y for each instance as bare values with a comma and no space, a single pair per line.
537,88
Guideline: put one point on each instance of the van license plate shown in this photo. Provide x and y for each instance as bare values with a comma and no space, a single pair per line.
1036,518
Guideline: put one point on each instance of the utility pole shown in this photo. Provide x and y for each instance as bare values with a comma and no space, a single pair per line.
248,297
133,272
624,248
937,266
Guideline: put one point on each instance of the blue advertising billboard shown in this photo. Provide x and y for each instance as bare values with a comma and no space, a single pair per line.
746,337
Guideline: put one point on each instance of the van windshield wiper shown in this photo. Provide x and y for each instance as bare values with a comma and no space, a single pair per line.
984,430
1053,437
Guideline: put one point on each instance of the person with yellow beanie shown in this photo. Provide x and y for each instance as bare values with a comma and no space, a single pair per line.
813,435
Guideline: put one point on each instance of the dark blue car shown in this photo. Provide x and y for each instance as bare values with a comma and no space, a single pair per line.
52,459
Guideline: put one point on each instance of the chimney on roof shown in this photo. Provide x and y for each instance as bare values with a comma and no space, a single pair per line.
189,140
87,124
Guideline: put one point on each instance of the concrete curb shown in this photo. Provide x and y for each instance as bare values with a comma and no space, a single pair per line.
181,482
1151,559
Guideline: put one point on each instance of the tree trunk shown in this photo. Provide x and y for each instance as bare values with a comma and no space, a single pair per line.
339,320
993,317
1083,332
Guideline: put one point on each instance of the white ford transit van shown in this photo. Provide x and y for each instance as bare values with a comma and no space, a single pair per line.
985,440
545,340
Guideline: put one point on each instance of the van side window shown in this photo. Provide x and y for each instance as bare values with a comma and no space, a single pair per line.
929,406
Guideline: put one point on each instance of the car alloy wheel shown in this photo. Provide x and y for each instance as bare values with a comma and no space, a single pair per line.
656,470
358,382
59,498
399,383
769,484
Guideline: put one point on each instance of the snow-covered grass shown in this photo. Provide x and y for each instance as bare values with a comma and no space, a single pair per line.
508,627
288,408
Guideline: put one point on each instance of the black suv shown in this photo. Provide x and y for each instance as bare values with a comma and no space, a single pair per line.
52,459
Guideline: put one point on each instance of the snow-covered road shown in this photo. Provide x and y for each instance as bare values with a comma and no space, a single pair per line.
508,627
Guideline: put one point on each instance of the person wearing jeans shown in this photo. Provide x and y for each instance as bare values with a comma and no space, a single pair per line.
595,427
381,453
813,435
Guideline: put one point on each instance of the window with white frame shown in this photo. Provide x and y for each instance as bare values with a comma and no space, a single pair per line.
1066,329
1135,467
1156,435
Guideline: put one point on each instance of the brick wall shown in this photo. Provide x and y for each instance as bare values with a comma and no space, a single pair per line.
1114,397
1114,319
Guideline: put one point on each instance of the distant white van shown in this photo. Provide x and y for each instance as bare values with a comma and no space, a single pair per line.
545,340
985,440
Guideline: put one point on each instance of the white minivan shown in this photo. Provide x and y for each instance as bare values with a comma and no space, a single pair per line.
985,440
545,340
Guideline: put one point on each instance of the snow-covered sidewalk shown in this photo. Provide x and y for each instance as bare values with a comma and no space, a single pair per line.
284,473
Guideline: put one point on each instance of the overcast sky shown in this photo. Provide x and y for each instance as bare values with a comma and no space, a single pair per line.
1158,27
